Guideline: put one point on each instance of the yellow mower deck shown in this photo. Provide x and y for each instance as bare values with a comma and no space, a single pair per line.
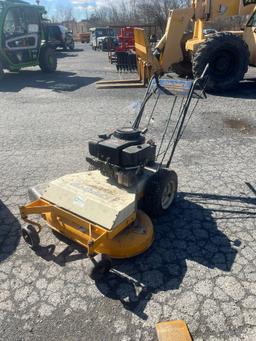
90,210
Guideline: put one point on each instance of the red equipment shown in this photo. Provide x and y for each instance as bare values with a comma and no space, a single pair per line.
125,56
126,39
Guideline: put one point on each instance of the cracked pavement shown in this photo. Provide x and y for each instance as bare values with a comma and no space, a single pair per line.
202,264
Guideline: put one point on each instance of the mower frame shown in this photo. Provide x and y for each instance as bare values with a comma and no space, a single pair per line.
78,229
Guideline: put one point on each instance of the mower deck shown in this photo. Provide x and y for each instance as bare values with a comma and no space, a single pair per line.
93,197
90,210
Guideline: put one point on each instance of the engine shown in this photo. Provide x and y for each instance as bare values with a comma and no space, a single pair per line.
125,152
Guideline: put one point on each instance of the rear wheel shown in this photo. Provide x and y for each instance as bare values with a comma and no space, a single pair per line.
48,60
228,58
160,192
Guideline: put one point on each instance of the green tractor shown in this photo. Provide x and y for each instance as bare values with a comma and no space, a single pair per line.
22,38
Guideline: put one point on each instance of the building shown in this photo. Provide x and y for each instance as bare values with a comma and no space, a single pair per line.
76,27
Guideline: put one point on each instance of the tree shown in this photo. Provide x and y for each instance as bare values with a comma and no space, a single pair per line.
134,12
62,13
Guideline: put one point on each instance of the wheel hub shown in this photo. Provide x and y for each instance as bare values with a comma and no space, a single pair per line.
26,237
168,196
223,64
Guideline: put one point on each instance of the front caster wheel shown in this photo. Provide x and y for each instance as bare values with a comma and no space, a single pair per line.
99,266
30,236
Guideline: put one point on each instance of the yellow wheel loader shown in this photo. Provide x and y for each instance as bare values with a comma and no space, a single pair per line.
228,53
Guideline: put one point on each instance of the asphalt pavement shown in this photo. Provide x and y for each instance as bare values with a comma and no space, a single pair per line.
202,264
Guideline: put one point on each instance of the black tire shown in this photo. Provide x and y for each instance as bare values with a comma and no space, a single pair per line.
47,60
30,236
228,58
160,192
99,266
72,45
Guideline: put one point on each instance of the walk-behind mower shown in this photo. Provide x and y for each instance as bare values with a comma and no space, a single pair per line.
22,41
107,210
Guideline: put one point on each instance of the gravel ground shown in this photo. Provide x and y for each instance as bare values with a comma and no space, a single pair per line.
202,265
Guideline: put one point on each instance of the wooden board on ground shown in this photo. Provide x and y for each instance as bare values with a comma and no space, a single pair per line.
173,331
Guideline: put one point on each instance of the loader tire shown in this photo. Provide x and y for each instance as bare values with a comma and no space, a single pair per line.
48,60
228,58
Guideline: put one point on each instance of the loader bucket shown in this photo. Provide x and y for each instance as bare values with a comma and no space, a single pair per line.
147,64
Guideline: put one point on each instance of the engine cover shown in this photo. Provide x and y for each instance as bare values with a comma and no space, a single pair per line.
124,148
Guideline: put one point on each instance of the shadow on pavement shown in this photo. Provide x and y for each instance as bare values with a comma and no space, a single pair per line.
63,54
65,256
9,232
188,232
251,187
58,81
70,253
246,89
59,50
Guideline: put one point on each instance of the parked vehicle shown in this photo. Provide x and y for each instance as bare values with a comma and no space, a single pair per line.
98,35
22,40
107,43
59,36
84,37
